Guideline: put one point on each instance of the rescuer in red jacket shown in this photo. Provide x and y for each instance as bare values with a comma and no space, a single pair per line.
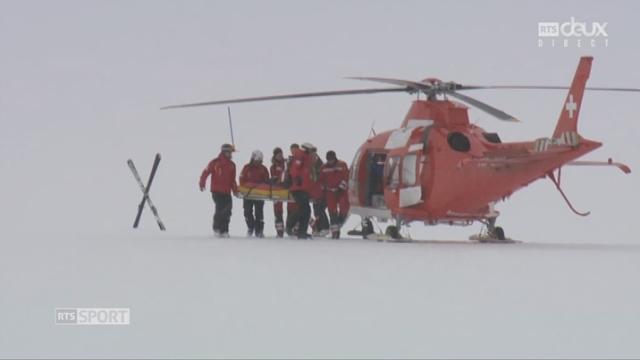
254,173
277,172
223,181
321,224
334,177
301,186
292,207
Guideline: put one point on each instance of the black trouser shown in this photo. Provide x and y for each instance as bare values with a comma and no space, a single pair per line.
292,219
304,211
222,215
320,213
255,222
277,213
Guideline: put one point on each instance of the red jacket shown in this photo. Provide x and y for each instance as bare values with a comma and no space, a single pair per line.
336,176
223,175
300,171
316,190
254,174
277,171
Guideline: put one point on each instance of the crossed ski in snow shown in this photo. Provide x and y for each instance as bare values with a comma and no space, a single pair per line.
145,191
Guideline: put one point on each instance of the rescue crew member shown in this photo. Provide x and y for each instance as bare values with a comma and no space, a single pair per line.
292,207
321,222
334,178
277,172
254,174
301,186
223,182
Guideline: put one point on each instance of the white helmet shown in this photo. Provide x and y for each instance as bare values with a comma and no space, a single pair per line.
308,146
256,155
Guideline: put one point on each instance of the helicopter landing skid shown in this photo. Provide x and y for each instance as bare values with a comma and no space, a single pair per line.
490,233
387,238
486,239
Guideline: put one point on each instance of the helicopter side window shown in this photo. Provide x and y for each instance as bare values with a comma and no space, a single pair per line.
492,138
409,169
393,171
459,141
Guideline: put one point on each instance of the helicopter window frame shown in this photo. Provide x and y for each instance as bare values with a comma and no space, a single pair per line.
392,171
409,169
353,174
355,166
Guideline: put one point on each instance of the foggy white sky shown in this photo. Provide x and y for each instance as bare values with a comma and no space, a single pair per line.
82,83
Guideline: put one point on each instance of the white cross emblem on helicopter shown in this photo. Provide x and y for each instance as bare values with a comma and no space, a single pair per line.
571,106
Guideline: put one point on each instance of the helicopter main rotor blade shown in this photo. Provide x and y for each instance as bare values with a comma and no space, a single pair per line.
612,89
543,87
291,96
427,89
483,106
417,86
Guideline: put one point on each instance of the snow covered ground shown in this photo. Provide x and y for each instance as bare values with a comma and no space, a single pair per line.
193,295
81,85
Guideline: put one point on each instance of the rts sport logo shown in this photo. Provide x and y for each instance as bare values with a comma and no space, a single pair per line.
93,316
573,33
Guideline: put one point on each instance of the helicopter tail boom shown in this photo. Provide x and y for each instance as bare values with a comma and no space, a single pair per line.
568,120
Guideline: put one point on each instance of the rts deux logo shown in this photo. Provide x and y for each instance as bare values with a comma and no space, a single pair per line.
573,33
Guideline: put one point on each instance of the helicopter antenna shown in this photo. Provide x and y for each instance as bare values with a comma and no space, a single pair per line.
372,131
233,143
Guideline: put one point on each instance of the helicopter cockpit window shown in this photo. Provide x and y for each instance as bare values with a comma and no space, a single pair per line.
409,169
392,175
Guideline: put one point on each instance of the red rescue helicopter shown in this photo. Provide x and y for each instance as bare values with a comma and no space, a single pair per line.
438,168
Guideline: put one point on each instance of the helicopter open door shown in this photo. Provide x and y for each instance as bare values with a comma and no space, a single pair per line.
402,177
374,186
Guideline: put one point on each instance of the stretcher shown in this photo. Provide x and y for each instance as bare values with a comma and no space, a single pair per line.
267,192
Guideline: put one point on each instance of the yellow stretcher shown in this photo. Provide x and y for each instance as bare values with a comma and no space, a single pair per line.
267,192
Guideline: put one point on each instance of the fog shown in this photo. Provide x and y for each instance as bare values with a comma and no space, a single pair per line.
81,88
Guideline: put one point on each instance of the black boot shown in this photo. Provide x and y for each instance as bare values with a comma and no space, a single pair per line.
279,227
